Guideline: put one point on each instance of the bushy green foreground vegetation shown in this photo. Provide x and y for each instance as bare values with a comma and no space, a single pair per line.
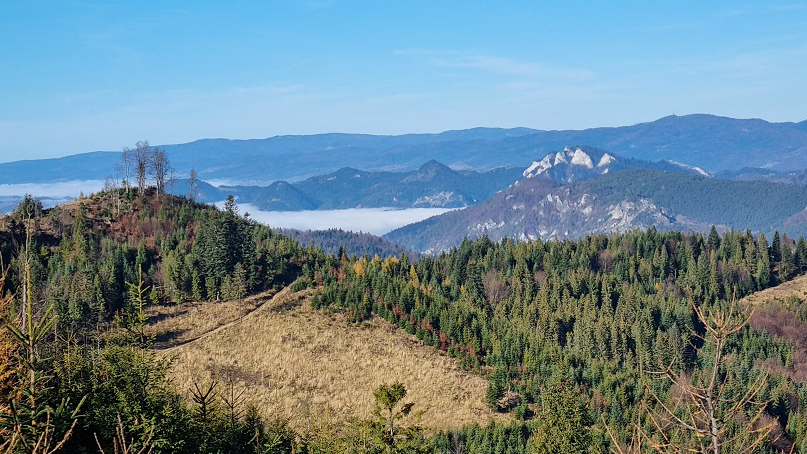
569,333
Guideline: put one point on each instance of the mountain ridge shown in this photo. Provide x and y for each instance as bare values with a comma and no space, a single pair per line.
711,142
623,200
433,184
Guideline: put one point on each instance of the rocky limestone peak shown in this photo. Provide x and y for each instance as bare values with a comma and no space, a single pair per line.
573,163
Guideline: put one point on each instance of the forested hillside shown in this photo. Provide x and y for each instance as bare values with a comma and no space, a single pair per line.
79,277
82,254
619,201
569,334
597,315
757,205
338,241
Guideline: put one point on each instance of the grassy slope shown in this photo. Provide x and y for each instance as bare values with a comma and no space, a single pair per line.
298,363
795,287
782,311
176,324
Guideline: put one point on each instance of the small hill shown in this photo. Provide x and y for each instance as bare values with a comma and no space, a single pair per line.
278,196
205,192
303,364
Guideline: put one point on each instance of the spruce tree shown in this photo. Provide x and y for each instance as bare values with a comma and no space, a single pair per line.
714,239
763,264
801,254
564,423
776,248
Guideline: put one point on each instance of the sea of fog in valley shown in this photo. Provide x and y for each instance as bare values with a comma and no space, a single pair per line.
50,194
377,221
56,190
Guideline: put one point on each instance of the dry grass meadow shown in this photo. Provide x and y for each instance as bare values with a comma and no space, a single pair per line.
795,287
294,362
180,323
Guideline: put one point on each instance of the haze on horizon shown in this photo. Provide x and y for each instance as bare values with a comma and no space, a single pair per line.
98,75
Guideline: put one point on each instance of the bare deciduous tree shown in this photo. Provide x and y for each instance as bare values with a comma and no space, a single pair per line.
161,167
496,289
142,159
193,184
125,167
116,182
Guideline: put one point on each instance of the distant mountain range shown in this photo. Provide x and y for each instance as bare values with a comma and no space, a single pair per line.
578,196
567,193
752,173
709,142
431,185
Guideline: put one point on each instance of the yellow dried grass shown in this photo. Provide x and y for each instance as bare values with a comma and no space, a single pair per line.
298,363
795,287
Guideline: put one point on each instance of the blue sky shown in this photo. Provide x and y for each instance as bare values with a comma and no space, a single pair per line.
97,75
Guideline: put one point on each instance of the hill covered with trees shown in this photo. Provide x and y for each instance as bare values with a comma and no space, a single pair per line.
602,315
619,201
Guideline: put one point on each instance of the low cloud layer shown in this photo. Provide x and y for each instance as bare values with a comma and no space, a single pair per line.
377,221
58,190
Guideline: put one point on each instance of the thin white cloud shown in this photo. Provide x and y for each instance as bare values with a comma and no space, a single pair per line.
761,66
497,64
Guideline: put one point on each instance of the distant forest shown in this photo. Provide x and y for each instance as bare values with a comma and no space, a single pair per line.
336,241
762,206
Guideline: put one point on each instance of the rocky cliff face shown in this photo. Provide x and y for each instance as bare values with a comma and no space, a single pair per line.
577,163
541,208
